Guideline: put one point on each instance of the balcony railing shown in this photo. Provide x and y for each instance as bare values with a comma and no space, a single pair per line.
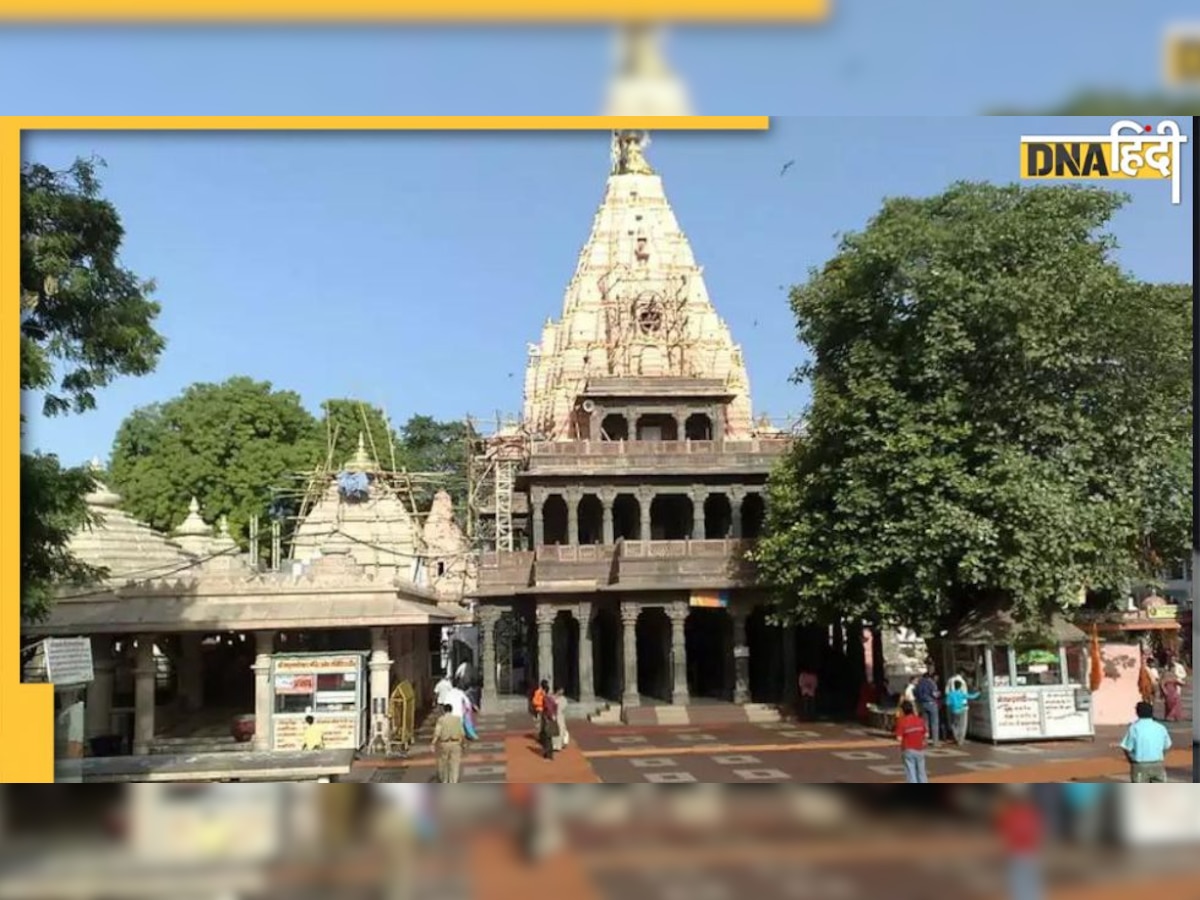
752,446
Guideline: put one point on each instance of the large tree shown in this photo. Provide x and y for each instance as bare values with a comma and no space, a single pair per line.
1000,415
85,320
236,446
343,420
437,448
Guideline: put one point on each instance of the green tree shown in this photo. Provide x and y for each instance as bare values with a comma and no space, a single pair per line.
1000,414
429,446
236,446
85,320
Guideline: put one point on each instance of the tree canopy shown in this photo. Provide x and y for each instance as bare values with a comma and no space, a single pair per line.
241,448
85,320
1000,415
230,445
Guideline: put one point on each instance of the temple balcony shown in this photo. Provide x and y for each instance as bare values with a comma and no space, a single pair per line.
750,456
625,565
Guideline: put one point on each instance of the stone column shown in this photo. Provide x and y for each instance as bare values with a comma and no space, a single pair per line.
587,677
741,655
699,496
645,499
680,417
574,496
380,666
191,672
545,615
538,499
490,694
678,614
99,702
264,642
629,617
736,496
145,683
607,499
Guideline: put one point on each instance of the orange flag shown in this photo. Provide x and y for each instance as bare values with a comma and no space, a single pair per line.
1097,663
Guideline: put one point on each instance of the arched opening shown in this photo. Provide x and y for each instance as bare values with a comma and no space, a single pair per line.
516,640
591,520
718,517
698,427
671,518
709,635
627,518
554,520
657,427
606,653
754,511
654,654
614,427
765,643
566,653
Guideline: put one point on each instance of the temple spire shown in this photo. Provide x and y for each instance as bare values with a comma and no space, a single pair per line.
642,85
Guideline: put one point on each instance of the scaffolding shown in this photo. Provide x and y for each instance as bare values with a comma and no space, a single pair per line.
493,462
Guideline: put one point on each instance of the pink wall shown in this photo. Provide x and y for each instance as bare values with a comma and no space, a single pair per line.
1114,702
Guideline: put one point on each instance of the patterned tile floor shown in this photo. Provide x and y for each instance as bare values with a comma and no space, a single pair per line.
772,753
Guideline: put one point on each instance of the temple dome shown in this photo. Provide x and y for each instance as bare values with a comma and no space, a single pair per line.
130,550
360,514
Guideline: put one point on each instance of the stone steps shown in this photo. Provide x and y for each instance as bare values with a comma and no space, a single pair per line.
700,714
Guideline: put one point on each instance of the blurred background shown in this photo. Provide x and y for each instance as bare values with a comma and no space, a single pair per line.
710,841
932,57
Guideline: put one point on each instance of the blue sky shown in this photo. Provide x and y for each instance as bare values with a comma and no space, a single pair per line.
413,270
876,57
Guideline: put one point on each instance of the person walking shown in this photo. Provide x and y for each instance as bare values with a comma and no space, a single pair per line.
911,733
448,737
928,698
1146,745
1171,685
548,721
563,738
958,703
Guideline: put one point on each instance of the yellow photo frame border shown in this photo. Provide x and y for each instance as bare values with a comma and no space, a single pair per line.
27,710
415,11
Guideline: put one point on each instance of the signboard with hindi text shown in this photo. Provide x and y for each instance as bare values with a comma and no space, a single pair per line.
68,661
341,732
709,600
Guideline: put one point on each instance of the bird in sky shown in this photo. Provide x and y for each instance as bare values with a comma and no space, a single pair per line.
787,165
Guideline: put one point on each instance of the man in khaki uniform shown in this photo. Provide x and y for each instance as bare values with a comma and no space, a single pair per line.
448,737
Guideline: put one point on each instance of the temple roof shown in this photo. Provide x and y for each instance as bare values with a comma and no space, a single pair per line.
637,307
127,548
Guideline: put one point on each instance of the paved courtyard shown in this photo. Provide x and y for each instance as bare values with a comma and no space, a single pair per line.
760,754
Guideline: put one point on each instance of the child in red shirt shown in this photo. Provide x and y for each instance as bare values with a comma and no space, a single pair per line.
912,735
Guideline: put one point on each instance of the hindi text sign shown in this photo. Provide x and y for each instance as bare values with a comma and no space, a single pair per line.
68,661
1129,150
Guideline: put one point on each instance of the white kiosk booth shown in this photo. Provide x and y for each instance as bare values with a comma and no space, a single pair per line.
1033,684
331,687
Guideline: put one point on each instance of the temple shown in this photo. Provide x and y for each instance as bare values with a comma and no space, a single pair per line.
627,499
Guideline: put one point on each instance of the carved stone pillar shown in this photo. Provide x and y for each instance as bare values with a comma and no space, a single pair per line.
191,672
681,417
99,703
629,691
741,655
380,666
145,683
573,499
488,617
678,614
607,499
587,677
545,642
699,529
736,496
538,500
264,647
645,500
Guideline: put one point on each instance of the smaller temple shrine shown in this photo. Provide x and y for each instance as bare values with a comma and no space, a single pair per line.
196,645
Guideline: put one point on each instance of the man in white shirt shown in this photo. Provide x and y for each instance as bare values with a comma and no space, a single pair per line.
441,689
458,701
